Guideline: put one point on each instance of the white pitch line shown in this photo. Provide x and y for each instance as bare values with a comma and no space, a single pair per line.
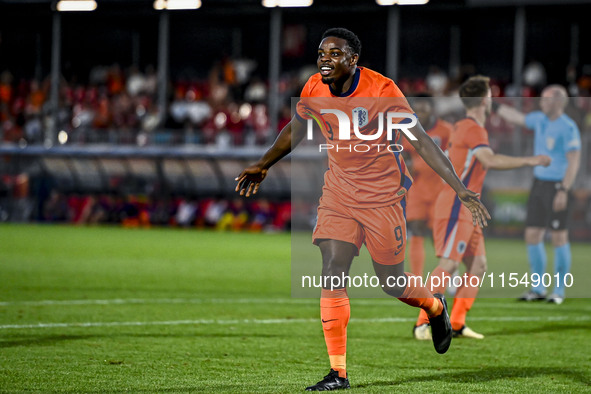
302,301
124,301
276,321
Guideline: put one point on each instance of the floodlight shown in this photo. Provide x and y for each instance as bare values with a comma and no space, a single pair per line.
402,2
183,4
177,4
287,3
76,5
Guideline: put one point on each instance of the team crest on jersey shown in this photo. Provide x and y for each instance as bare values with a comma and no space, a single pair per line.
550,143
461,247
362,116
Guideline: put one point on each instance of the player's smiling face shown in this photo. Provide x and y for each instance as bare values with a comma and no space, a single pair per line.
336,62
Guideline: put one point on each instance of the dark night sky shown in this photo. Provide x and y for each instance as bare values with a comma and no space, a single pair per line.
201,37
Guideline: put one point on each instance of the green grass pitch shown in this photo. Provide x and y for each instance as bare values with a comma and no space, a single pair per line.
97,309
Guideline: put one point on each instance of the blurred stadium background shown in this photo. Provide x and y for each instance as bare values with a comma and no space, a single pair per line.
129,114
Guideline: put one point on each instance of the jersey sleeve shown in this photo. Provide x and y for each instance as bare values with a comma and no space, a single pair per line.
302,109
395,98
477,137
533,119
572,139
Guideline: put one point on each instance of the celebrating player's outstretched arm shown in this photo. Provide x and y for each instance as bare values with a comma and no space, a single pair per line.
437,160
250,179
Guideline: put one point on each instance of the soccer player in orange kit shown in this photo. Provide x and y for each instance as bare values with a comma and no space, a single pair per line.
426,183
363,197
456,239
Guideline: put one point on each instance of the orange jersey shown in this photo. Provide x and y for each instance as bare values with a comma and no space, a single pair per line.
427,183
362,173
466,138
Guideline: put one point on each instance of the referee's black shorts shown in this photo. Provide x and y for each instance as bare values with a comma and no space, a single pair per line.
539,207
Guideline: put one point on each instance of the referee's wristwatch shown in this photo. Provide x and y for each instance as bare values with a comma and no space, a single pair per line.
559,186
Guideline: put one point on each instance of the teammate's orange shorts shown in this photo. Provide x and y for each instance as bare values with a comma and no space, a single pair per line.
420,206
382,230
457,238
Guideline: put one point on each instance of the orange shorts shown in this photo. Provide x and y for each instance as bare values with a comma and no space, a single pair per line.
382,230
418,208
457,238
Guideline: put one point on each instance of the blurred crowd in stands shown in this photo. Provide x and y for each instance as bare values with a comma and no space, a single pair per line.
139,211
227,107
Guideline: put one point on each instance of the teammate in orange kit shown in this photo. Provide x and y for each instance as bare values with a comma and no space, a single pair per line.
363,194
456,239
426,183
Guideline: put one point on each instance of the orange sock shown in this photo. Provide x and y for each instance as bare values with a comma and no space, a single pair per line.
438,281
339,363
420,296
334,313
417,255
463,301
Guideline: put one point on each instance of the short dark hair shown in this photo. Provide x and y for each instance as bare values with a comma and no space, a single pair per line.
347,35
473,90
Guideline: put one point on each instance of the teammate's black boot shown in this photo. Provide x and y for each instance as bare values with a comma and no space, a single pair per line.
332,381
441,328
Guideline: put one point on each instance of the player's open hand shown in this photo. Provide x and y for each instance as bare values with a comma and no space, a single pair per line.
249,181
479,212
